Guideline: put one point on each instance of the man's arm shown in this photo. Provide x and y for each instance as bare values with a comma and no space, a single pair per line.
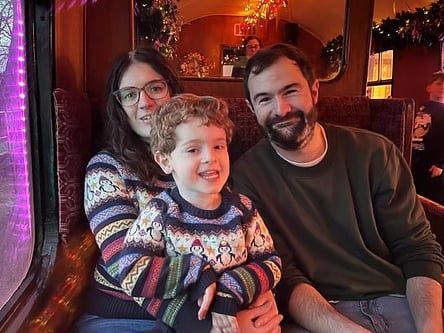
312,311
425,299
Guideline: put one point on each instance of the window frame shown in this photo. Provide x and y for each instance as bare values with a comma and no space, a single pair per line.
39,62
379,81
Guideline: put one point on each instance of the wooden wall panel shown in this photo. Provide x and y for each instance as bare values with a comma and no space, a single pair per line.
412,67
69,46
87,40
108,26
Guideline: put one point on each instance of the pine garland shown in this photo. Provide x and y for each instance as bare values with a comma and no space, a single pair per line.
424,26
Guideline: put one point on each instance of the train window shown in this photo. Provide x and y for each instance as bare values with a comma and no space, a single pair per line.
380,75
16,222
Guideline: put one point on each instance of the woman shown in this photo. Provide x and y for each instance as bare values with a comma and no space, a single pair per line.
120,180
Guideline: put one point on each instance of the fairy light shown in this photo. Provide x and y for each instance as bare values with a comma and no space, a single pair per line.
261,10
18,136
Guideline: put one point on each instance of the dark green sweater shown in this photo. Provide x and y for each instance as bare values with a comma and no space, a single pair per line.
352,225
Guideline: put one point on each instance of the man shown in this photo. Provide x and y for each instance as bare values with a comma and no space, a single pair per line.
358,254
428,153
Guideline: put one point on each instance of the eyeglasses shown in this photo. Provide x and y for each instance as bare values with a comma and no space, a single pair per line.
250,47
129,96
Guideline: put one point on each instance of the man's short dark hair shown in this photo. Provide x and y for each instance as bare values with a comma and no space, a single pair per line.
268,55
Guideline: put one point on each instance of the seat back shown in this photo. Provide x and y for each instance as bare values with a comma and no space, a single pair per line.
435,213
61,299
73,150
392,118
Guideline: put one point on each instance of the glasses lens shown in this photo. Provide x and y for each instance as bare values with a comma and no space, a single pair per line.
130,95
127,96
156,89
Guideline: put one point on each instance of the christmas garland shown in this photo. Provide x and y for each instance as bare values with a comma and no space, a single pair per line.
159,22
424,26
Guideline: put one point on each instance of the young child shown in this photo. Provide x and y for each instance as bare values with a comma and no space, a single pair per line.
197,247
428,147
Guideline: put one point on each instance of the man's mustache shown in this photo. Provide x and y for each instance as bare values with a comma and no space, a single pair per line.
295,114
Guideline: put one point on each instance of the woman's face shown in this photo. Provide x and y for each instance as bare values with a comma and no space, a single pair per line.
140,75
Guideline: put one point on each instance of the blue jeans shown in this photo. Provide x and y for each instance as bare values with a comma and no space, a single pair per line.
387,314
94,324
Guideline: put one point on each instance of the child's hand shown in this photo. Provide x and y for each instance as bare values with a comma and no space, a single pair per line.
205,300
224,323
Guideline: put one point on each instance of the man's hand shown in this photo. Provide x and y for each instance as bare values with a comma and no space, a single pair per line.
261,317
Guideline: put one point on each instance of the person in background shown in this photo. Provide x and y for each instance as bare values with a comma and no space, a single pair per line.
428,144
120,180
251,45
202,246
357,251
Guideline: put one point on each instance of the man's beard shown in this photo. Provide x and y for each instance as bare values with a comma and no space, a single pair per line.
294,130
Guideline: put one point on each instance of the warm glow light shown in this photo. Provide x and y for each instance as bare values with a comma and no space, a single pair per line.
262,9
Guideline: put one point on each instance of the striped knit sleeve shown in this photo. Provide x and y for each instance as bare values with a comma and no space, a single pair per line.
146,271
239,287
108,207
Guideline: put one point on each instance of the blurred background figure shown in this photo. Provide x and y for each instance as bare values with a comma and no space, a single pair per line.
251,45
428,145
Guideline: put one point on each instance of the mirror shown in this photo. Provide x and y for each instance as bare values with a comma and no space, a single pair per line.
199,32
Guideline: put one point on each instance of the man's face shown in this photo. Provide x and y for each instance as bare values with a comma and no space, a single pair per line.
284,104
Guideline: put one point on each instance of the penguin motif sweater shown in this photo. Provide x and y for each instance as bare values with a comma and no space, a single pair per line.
174,251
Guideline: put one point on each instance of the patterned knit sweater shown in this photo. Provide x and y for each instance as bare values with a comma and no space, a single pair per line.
174,251
113,196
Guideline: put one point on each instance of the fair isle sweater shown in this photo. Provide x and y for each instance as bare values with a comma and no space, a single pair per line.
113,197
175,250
352,225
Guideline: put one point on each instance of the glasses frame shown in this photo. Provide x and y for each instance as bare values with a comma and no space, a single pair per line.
117,92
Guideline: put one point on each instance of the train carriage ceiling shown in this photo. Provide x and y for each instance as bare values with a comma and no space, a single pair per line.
324,19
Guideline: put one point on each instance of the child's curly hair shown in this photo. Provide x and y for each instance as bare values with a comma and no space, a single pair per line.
181,108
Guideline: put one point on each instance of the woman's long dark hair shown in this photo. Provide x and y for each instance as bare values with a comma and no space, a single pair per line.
119,138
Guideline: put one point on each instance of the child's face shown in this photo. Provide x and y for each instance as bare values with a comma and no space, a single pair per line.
200,163
436,90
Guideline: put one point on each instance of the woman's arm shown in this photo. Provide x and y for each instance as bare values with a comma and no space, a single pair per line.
109,207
